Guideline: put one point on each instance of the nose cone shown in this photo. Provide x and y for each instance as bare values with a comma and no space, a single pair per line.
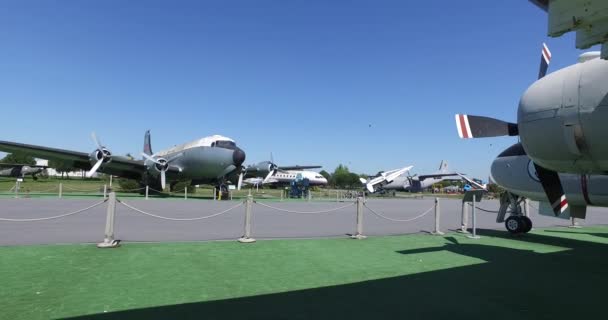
238,157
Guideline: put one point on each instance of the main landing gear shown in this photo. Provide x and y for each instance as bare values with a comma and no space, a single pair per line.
517,221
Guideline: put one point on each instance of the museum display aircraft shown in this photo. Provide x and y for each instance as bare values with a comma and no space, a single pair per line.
417,183
268,172
383,179
20,170
213,160
561,122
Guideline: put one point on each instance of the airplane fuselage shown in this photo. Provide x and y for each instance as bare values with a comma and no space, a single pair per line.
286,177
20,171
411,184
514,171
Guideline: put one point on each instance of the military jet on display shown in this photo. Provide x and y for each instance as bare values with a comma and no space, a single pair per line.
20,170
214,160
561,122
417,183
383,179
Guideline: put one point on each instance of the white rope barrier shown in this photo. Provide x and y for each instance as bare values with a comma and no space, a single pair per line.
54,217
43,191
178,219
400,220
129,190
304,212
81,190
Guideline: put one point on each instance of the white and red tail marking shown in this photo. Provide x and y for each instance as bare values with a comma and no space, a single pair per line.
546,53
462,123
561,204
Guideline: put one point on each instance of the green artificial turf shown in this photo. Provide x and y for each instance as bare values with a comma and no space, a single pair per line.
553,273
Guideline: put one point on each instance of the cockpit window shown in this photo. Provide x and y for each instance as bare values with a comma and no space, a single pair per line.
514,150
224,144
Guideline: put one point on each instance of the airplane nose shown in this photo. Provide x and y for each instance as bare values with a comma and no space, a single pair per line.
238,157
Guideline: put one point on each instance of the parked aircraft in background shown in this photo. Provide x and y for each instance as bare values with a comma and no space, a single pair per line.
20,170
383,179
417,183
268,172
214,160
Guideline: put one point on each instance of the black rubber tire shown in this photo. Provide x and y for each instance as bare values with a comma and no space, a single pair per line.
527,223
514,224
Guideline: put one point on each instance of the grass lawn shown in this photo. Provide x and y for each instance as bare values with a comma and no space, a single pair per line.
549,274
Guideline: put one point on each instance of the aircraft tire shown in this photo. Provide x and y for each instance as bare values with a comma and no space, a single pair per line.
527,224
514,224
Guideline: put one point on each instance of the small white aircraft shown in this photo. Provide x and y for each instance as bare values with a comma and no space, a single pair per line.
384,178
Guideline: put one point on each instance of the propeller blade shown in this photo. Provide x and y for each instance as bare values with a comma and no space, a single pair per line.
97,142
95,167
552,185
480,127
268,176
162,179
240,183
149,158
545,59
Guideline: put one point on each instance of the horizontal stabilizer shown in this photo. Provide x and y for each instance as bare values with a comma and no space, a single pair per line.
481,127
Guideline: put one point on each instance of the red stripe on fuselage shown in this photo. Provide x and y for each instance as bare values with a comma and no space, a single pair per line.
463,126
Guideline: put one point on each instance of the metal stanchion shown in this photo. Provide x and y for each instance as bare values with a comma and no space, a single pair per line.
214,193
337,196
359,234
282,192
147,191
110,181
474,235
60,190
105,191
464,219
109,241
246,238
186,193
17,186
437,230
309,196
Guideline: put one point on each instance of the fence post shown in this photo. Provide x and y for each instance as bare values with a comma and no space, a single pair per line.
186,193
474,235
60,190
109,241
359,235
437,230
105,191
246,238
147,191
309,196
464,219
110,181
214,194
17,186
282,192
337,196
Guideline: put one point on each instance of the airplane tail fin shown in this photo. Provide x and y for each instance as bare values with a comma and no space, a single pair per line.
147,144
443,167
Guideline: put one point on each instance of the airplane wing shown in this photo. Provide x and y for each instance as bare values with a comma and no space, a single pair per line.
296,167
438,175
473,182
385,178
119,166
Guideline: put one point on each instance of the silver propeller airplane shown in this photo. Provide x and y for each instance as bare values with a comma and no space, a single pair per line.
214,159
383,179
20,170
268,172
569,108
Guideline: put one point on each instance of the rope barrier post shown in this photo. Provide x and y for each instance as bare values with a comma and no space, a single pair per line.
282,192
359,235
474,235
437,217
337,196
214,194
147,191
110,181
464,219
109,241
246,238
186,193
309,196
574,224
60,190
105,191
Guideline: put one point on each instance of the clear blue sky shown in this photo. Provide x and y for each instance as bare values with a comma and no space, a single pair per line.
302,79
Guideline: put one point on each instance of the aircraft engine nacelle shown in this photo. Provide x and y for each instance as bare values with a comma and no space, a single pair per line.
155,168
562,118
102,154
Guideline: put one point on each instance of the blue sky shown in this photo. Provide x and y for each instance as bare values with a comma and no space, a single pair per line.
370,84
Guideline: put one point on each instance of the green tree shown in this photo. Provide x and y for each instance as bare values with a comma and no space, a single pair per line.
128,185
326,175
18,157
62,166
